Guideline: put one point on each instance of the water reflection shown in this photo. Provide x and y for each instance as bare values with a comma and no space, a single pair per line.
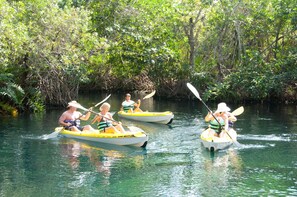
221,169
223,159
102,157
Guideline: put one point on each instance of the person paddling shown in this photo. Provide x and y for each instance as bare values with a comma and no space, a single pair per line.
70,119
104,119
129,105
223,118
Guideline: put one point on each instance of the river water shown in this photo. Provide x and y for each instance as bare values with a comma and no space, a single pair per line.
174,162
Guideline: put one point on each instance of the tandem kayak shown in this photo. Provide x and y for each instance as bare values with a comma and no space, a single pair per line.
137,137
214,143
153,117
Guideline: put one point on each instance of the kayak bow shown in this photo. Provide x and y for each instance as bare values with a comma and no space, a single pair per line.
214,143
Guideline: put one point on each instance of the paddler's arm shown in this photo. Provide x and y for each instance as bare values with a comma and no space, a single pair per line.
208,117
137,105
232,118
62,119
87,115
226,119
97,118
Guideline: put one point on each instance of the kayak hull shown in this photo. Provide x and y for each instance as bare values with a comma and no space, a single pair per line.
213,143
152,117
138,138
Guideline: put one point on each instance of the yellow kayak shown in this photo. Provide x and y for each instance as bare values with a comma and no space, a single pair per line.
137,137
153,117
214,143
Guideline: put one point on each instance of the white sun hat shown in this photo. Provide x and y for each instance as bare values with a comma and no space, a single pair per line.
72,104
222,107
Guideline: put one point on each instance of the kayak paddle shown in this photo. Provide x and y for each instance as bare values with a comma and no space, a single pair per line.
195,92
149,95
97,104
102,100
79,106
56,133
132,128
146,97
238,111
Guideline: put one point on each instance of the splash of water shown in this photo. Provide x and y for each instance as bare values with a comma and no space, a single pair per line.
271,137
50,136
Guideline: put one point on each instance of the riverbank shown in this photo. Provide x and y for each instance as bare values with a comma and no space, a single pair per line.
178,91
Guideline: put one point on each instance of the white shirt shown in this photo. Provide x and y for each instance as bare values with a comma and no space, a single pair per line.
128,103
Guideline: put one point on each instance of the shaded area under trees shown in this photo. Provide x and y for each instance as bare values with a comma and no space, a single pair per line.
229,50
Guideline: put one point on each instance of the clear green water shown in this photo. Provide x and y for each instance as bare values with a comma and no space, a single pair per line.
173,164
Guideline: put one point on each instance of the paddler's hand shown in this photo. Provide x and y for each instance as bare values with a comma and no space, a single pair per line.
90,109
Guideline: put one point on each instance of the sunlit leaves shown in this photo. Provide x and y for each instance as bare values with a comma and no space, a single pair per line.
54,46
13,32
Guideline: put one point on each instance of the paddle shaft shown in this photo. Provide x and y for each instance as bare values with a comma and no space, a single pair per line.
146,97
196,93
104,116
95,105
102,101
220,126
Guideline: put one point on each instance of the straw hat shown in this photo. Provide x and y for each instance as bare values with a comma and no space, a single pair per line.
72,104
222,107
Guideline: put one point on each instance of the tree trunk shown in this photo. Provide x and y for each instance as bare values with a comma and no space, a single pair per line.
192,44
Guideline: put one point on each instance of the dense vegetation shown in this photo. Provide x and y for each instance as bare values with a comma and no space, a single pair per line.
239,50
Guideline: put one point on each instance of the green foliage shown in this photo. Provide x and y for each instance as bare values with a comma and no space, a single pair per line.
35,100
11,94
13,32
258,82
242,50
10,91
58,60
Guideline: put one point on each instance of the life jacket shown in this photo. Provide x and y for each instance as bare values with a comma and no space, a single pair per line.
127,108
128,105
216,126
103,124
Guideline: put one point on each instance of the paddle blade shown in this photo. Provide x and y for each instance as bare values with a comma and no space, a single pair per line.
53,134
50,136
103,100
194,91
238,111
149,95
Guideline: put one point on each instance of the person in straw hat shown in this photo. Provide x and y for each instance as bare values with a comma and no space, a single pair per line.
105,120
223,118
70,119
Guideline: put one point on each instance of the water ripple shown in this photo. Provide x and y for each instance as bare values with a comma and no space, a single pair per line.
272,137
